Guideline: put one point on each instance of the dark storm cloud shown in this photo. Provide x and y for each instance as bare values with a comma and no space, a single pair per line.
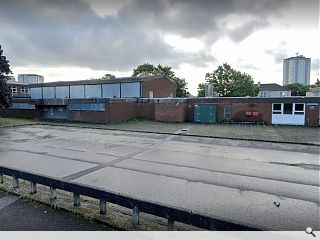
65,33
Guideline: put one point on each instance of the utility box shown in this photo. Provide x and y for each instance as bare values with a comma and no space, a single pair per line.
205,113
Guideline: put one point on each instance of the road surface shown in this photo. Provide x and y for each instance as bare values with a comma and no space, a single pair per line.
271,186
18,215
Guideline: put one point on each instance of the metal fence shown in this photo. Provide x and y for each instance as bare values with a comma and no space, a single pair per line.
171,213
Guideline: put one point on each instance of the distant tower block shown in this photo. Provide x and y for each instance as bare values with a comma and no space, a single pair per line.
296,70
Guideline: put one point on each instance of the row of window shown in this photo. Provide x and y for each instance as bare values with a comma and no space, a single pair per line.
288,108
267,94
117,90
23,90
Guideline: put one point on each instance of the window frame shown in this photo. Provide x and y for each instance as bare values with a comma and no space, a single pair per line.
299,112
277,111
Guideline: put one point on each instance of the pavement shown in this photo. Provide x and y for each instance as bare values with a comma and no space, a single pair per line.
20,215
272,133
271,186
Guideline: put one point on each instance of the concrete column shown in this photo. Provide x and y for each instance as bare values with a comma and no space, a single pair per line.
33,187
76,199
15,182
53,193
135,216
103,206
171,226
1,177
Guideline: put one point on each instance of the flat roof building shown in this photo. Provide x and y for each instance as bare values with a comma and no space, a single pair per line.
128,87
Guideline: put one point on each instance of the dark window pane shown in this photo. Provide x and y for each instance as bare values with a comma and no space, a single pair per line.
277,106
299,107
287,108
276,112
298,113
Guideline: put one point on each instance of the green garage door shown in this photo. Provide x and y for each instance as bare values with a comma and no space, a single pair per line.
205,113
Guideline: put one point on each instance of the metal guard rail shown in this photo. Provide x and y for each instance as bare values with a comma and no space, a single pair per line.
165,211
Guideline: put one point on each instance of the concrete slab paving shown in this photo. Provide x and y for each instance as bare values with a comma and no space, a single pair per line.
247,207
232,180
42,164
244,167
244,183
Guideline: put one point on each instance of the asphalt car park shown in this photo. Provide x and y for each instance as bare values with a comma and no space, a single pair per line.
265,185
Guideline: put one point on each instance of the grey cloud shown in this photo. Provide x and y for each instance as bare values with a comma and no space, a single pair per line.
279,53
315,65
240,33
66,33
247,66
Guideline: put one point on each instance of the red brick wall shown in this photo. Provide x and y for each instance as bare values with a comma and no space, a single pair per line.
170,112
239,108
312,116
146,110
115,111
88,116
161,88
120,111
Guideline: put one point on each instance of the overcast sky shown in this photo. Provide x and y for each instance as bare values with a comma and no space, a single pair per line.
80,39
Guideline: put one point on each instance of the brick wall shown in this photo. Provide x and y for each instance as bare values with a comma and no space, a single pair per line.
121,111
146,110
115,111
170,112
312,116
21,113
88,116
161,88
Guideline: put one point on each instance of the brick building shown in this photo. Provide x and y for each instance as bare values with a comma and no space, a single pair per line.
130,87
119,99
282,110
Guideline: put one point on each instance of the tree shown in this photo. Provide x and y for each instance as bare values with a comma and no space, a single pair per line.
201,89
5,94
148,69
316,84
108,76
298,89
229,82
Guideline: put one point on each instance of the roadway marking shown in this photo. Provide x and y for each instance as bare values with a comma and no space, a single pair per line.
7,200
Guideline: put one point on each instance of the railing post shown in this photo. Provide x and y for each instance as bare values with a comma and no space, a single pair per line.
76,199
33,187
15,182
53,193
103,206
135,216
170,226
1,177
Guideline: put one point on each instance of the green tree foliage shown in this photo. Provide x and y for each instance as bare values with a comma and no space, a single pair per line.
201,89
5,94
297,89
151,70
108,76
229,82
